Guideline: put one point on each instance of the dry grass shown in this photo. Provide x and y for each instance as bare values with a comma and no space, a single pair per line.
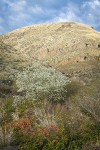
54,43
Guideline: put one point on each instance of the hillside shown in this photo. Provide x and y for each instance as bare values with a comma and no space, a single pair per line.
71,48
49,87
57,45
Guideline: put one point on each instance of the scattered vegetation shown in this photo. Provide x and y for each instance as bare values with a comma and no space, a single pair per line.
42,108
43,124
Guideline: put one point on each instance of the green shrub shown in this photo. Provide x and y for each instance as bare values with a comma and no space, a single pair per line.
42,82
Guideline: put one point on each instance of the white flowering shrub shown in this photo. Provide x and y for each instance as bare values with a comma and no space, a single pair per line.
42,82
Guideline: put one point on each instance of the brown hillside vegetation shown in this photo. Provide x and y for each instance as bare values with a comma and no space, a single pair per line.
58,44
55,43
72,48
50,87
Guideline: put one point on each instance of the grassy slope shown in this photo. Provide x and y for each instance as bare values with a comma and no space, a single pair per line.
54,43
71,48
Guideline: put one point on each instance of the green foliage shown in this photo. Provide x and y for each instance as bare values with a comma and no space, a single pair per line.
41,81
69,134
45,125
56,141
41,141
6,110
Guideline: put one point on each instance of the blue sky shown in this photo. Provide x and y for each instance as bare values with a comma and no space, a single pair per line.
19,13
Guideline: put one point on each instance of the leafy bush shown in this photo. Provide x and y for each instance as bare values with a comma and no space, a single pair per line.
46,125
54,127
42,82
55,138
